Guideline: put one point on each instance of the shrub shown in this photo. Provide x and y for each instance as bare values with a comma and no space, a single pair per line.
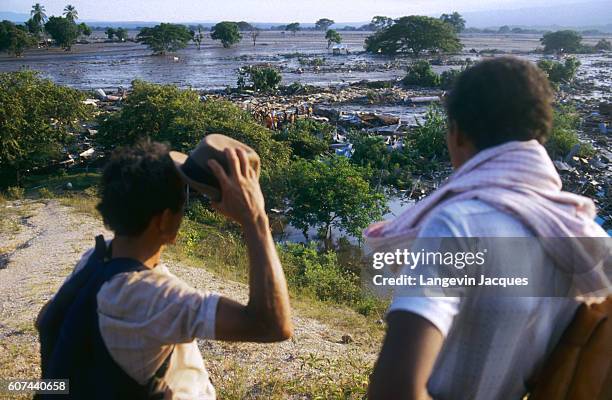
421,74
448,78
564,134
307,138
15,192
320,274
427,142
36,119
603,45
263,79
560,72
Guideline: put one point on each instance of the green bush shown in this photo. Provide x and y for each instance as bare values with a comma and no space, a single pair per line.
567,41
448,78
307,138
421,74
560,72
166,113
564,134
263,79
427,143
37,118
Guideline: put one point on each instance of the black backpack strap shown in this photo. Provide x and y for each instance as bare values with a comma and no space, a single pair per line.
157,385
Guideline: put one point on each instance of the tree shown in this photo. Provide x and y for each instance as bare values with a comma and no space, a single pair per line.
164,37
84,29
379,22
307,138
110,33
603,45
121,34
14,39
455,20
227,32
254,35
332,192
332,36
63,31
71,13
504,29
414,34
293,27
198,36
324,23
37,20
37,14
566,41
28,139
244,26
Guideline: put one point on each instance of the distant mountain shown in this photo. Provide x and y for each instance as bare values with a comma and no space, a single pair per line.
13,16
584,15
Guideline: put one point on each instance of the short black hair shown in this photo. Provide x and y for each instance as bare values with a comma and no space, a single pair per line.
501,100
139,182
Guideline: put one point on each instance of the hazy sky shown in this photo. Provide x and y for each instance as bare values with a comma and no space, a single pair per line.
264,10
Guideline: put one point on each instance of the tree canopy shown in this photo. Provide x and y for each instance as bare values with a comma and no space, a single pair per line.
36,117
324,23
455,20
307,138
293,27
332,192
414,34
567,41
71,13
63,31
332,36
227,32
14,39
165,38
380,22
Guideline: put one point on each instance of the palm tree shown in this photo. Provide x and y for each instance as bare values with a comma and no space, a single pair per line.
38,14
71,13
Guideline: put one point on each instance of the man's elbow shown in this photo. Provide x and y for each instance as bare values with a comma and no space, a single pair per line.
281,332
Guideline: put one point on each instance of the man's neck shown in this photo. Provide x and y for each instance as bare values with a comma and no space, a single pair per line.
138,248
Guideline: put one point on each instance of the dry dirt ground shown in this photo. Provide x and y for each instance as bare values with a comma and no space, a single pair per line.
40,242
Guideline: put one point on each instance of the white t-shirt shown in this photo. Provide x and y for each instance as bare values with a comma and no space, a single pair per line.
492,345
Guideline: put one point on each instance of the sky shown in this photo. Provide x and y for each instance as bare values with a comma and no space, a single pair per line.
265,10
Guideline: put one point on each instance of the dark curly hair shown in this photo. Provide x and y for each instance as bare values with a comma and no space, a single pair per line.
501,100
138,183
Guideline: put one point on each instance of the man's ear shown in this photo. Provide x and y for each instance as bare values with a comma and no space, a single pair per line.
168,225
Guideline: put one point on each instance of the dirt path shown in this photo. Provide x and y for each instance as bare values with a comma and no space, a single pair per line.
40,242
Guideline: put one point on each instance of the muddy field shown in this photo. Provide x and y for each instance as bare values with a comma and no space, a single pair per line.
109,65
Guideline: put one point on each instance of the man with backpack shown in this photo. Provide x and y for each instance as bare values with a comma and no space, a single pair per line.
123,326
483,346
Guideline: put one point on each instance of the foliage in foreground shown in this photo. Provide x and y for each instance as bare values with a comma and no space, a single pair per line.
164,38
168,114
420,73
414,34
36,121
